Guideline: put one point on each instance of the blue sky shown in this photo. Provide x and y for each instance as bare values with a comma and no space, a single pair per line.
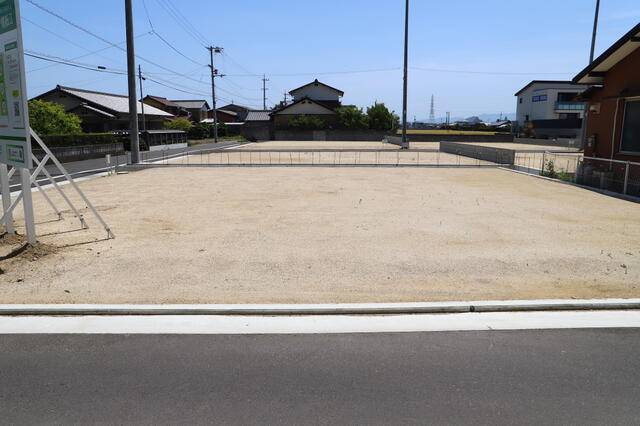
292,41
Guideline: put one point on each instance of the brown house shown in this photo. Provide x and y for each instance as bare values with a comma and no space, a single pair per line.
223,116
166,105
613,113
101,111
198,108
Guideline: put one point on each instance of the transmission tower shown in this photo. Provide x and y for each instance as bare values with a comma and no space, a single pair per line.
432,113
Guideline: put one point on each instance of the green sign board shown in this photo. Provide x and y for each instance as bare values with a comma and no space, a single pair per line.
15,141
8,21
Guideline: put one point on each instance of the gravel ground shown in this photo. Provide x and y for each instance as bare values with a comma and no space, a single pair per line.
506,145
328,158
295,235
526,147
318,145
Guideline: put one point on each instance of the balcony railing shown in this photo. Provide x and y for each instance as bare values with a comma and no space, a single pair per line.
570,106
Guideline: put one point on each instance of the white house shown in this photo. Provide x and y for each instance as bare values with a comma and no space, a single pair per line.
318,92
549,100
313,99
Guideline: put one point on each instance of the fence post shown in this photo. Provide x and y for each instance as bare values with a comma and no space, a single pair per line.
544,161
626,178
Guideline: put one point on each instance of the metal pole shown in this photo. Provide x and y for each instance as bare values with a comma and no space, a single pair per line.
213,96
406,74
595,31
144,124
62,170
6,199
131,73
27,203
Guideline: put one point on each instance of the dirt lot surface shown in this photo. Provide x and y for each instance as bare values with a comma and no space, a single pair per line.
525,147
296,235
317,145
506,145
328,158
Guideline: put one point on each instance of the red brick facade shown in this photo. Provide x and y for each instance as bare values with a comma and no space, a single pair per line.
606,108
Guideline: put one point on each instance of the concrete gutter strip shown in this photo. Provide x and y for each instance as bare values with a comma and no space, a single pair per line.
336,309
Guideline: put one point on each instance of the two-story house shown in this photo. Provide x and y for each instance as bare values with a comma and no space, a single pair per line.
313,99
549,109
613,117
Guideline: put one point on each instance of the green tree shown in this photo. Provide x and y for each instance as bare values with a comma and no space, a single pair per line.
352,117
307,122
179,123
380,118
48,118
201,131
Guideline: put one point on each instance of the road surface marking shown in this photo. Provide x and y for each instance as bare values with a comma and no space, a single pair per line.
327,324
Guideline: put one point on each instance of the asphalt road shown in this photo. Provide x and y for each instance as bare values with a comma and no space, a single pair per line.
521,377
97,165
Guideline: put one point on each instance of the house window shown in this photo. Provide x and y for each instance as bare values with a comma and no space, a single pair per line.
541,98
631,127
520,100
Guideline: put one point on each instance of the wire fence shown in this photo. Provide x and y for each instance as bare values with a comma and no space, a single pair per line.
548,163
612,175
320,157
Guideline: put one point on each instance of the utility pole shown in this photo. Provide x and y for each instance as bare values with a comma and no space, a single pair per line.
214,74
405,143
286,95
131,74
595,31
264,91
144,124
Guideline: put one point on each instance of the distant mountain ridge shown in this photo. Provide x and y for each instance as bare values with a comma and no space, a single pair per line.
487,118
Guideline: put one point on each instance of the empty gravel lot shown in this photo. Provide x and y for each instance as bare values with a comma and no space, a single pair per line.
295,235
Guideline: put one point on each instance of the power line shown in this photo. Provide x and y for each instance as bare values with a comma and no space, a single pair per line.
320,73
84,30
80,28
24,18
62,61
90,52
182,21
102,69
164,40
451,71
175,49
377,70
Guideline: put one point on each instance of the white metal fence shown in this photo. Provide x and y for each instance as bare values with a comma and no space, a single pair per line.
612,175
323,158
546,163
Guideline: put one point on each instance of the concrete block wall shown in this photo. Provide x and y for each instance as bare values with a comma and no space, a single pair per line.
496,155
500,137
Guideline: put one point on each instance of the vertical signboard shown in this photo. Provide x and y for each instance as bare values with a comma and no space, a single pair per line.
15,140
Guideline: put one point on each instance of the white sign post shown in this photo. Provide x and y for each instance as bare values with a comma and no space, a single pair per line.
15,137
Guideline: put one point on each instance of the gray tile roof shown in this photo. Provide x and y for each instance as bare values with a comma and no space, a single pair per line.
117,103
191,104
258,116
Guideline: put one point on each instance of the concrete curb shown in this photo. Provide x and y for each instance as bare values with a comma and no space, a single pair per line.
312,310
